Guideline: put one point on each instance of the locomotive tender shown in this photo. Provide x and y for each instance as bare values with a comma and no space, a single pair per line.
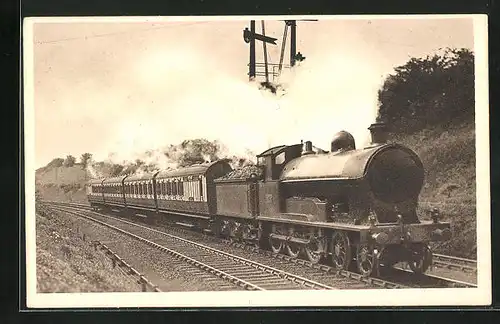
354,207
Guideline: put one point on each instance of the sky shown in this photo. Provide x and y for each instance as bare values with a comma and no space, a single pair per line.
125,87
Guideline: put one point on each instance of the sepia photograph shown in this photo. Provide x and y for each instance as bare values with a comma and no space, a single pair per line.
256,161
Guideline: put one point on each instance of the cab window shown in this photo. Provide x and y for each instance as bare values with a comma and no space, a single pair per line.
279,159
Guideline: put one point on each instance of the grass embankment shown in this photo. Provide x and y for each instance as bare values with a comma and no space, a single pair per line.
449,159
66,262
62,183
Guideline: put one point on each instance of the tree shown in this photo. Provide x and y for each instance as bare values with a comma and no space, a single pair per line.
70,161
85,159
55,163
429,91
197,151
116,169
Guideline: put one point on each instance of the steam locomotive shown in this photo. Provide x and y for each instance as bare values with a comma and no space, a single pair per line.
356,208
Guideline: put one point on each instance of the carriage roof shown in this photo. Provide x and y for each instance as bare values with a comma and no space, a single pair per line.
193,170
140,177
114,180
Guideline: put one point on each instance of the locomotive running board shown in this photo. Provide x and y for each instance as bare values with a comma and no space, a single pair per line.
348,227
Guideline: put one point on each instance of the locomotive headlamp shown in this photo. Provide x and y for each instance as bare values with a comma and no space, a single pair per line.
435,215
372,219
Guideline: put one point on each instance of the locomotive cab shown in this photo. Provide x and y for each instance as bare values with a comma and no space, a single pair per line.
274,159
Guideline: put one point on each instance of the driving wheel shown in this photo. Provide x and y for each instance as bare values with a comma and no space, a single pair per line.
365,259
275,244
340,247
314,251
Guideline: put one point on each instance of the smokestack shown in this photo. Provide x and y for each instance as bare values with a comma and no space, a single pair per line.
378,133
308,148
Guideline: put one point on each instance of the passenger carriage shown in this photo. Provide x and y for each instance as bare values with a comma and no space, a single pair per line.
189,191
113,191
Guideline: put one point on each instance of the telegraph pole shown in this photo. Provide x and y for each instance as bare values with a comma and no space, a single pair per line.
251,66
293,41
249,36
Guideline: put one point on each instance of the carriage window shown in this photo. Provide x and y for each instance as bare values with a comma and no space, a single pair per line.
169,188
163,188
181,188
150,188
174,188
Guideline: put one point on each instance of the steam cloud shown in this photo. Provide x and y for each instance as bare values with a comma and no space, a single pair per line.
157,95
323,96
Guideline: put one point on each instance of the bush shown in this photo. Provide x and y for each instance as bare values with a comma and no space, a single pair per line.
436,90
70,161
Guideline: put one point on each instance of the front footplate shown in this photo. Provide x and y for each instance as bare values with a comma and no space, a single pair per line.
386,234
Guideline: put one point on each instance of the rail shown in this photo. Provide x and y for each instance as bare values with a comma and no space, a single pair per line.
118,261
454,263
243,283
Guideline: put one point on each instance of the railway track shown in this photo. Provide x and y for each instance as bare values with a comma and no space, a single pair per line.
239,271
400,277
455,263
